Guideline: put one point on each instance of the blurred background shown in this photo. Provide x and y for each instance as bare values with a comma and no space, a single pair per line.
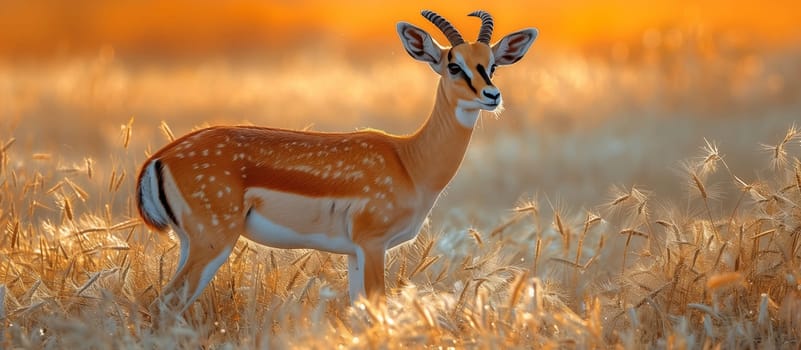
612,92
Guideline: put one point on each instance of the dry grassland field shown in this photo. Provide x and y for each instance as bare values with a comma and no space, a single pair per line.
641,190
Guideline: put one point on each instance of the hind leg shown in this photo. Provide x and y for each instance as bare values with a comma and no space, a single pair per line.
201,257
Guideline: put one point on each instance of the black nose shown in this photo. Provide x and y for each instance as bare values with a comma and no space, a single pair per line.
492,96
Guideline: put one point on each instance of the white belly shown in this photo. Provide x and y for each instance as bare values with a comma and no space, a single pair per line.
291,221
263,231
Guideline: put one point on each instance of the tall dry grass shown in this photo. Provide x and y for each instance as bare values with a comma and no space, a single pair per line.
707,257
77,269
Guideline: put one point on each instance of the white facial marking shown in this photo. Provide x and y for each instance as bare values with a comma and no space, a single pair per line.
467,117
460,61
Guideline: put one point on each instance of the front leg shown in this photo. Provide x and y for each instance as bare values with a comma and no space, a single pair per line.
366,272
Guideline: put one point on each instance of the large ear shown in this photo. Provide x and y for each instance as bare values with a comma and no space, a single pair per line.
512,47
420,45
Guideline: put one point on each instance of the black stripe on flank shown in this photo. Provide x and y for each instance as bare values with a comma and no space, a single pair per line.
483,72
162,194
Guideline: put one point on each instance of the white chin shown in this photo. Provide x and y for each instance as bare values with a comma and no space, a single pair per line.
489,108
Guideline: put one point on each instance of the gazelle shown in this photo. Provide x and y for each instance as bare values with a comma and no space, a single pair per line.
358,193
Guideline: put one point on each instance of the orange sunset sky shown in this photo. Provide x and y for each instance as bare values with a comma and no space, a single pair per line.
183,27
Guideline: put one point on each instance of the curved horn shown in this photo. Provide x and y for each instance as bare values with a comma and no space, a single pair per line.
450,32
487,23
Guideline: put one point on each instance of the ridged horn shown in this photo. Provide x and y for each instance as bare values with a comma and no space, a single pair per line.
485,34
450,32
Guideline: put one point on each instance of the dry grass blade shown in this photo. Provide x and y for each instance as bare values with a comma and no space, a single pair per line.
670,226
119,182
300,264
764,233
633,232
166,131
80,192
528,207
42,156
798,178
3,316
779,151
89,163
699,185
424,255
424,264
7,145
709,163
30,292
508,223
426,315
537,249
95,276
706,309
68,209
55,187
516,293
125,132
476,236
567,262
125,225
620,195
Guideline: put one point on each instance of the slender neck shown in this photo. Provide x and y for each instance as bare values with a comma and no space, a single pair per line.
432,155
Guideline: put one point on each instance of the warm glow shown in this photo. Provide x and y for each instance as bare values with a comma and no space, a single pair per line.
190,27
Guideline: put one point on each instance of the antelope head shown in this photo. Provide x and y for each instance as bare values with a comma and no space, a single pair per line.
466,68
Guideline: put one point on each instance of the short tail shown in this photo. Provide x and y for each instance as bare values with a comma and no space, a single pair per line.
151,199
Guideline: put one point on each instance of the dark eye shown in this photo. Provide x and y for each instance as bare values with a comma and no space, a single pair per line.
454,68
492,69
